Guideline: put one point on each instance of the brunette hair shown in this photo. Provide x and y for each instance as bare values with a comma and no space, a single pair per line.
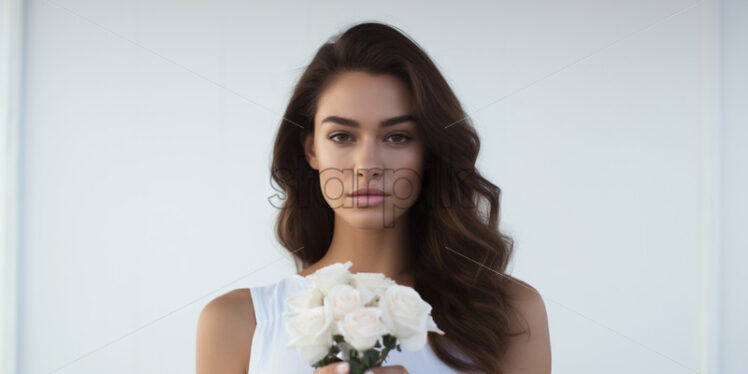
459,255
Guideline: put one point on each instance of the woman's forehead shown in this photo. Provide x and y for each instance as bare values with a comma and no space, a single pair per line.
365,97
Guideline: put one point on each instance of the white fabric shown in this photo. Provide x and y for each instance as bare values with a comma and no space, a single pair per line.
270,355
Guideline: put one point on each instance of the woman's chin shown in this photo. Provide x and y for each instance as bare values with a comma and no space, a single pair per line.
368,219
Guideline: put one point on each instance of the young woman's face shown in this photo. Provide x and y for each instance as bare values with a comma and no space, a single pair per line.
363,138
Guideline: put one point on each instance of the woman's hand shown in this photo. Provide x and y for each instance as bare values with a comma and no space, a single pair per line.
343,368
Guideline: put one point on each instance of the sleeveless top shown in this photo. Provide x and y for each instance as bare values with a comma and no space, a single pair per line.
270,355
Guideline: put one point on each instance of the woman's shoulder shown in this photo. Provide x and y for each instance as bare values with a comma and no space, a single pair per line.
233,306
529,352
528,303
236,303
224,333
523,294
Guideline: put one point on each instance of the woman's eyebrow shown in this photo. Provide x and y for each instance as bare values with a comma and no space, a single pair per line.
353,123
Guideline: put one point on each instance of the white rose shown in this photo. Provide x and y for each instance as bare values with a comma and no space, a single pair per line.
311,333
303,300
329,276
407,317
370,285
341,300
363,328
370,280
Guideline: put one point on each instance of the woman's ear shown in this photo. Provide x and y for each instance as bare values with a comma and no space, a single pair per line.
311,156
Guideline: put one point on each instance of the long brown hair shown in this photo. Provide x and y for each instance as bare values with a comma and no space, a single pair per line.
457,246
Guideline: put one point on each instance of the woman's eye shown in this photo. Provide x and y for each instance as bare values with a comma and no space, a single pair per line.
334,136
402,138
396,138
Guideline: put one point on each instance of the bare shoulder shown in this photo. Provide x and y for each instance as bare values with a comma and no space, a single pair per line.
224,333
525,297
529,352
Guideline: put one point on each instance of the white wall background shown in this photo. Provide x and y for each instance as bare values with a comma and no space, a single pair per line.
11,44
734,280
148,127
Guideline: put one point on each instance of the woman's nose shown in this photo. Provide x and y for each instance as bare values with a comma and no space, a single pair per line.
368,163
369,173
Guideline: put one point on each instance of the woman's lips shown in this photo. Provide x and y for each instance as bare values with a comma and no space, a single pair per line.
367,200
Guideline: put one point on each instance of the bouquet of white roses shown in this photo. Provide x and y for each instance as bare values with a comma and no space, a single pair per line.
357,317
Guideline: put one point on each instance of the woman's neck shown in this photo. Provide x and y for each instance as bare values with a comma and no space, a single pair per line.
386,250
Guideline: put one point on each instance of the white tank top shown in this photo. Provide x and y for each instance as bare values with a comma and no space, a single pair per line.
270,355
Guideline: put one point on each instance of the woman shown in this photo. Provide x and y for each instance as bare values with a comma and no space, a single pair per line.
377,160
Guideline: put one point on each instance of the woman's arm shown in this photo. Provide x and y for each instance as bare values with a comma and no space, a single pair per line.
529,353
224,333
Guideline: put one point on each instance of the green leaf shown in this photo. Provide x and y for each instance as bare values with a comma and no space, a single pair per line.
371,356
356,367
389,341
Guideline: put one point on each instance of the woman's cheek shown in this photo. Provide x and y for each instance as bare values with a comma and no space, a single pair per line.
332,184
406,185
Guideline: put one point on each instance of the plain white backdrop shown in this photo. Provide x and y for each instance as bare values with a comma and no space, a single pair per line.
140,188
